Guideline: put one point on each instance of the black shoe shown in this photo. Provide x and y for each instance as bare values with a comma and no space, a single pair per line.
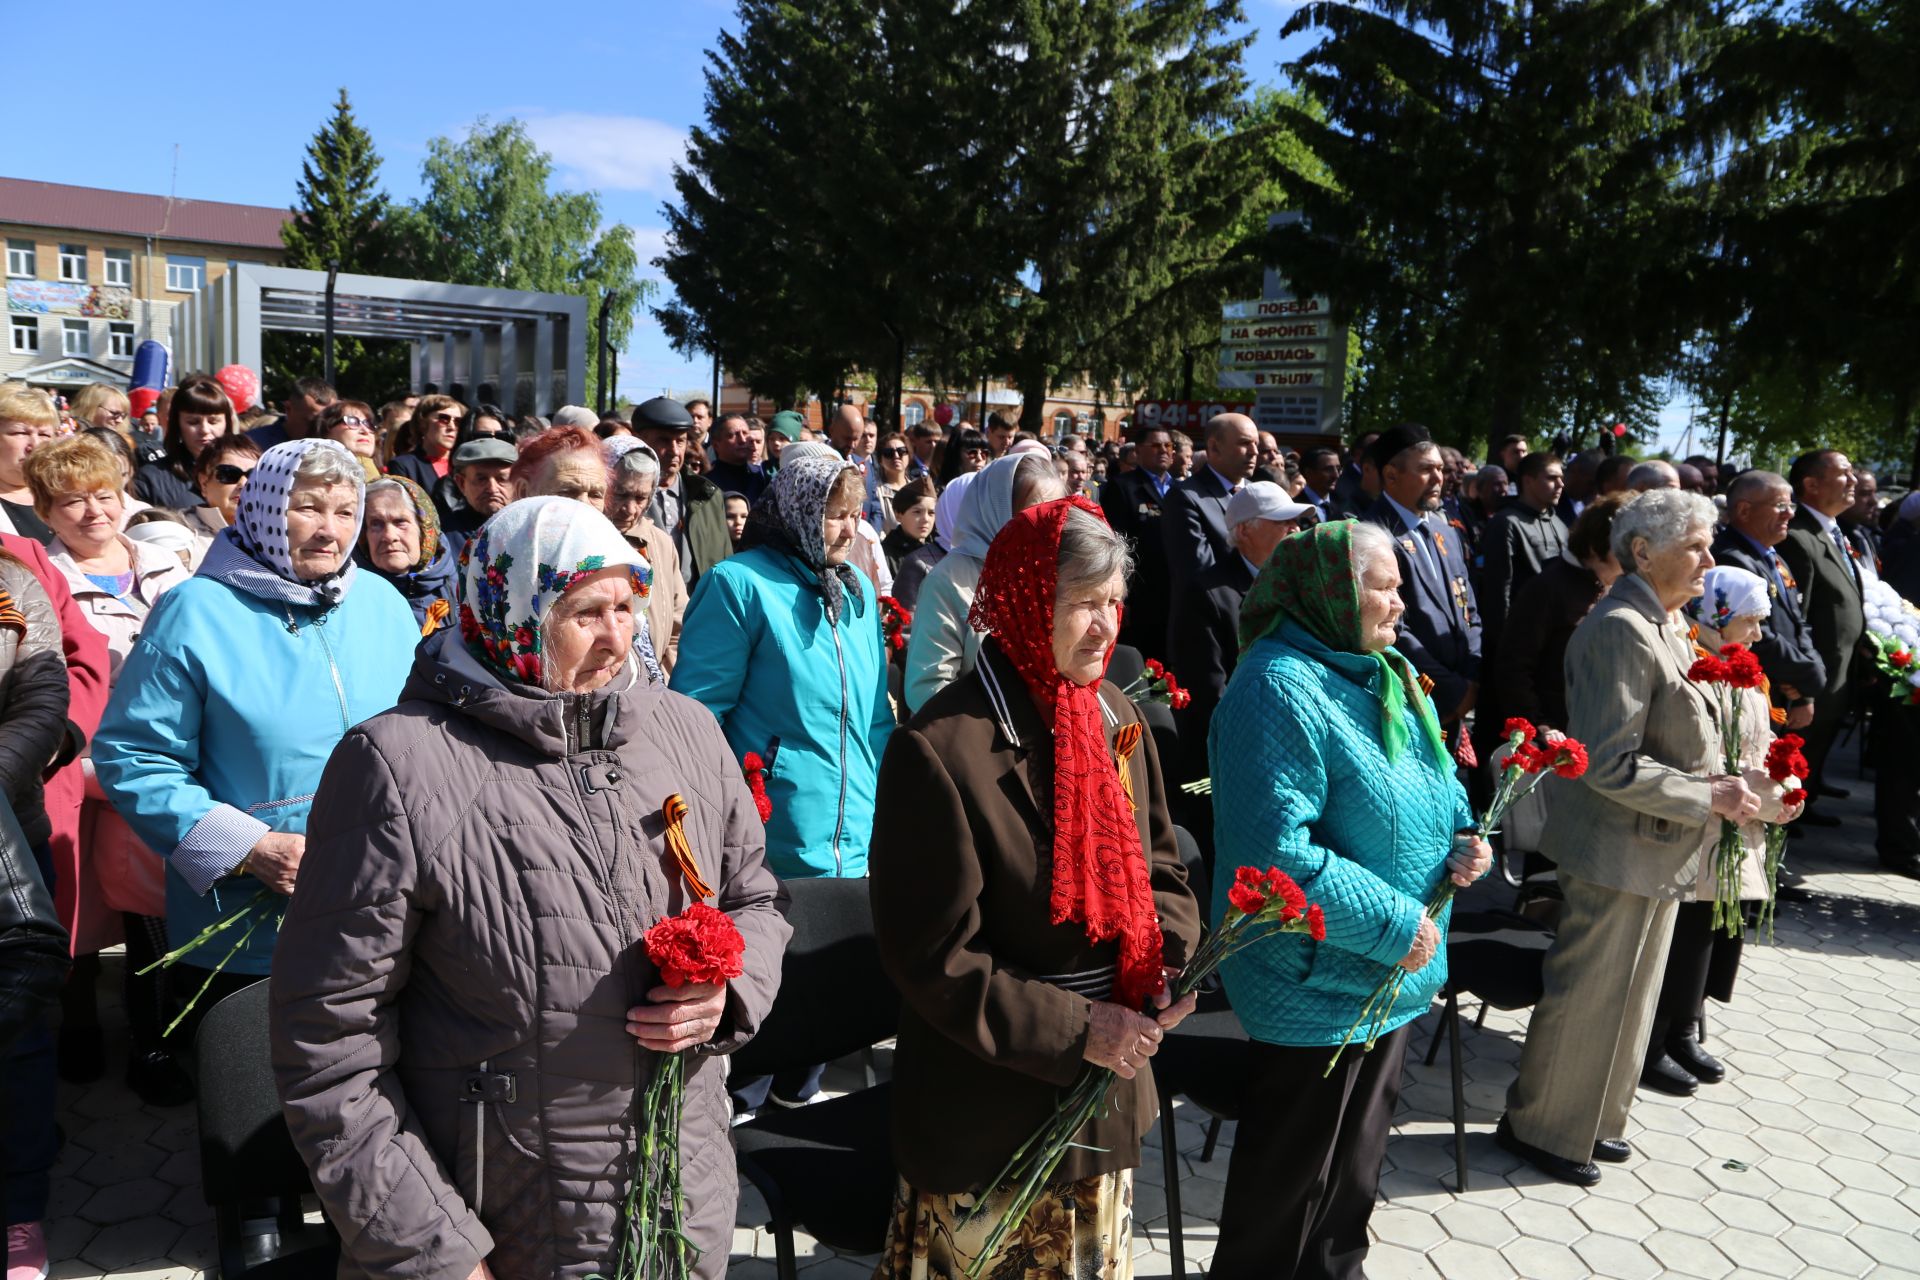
1557,1167
80,1054
1687,1054
1812,818
1663,1075
1831,793
159,1079
1901,864
1612,1150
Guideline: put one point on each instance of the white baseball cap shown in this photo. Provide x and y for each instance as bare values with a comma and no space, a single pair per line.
1262,500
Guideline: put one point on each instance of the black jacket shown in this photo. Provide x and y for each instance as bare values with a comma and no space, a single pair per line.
1516,544
1830,590
1203,646
1134,509
1786,649
33,946
1193,528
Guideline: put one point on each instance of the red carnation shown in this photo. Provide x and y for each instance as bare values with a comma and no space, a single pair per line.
1794,797
1517,728
756,771
1743,669
700,945
1154,667
1281,885
1569,758
1707,669
1316,923
1245,899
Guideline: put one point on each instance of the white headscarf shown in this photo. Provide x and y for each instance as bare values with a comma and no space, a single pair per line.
1730,593
987,507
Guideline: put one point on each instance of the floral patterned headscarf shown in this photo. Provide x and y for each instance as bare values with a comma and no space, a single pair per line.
1731,592
527,556
792,515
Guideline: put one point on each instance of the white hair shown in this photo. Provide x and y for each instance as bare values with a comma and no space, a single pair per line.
1371,544
329,464
638,462
1091,553
1659,518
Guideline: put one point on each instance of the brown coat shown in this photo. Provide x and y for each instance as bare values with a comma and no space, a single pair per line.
452,980
961,882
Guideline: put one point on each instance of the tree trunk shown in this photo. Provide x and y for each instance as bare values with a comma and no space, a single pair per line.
1033,385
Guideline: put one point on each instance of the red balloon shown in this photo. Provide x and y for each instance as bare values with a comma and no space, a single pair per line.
241,384
1619,428
943,414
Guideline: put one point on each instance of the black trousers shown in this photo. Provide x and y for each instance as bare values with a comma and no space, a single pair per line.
1896,786
1701,962
1306,1162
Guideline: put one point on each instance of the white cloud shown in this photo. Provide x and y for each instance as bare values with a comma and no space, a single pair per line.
611,153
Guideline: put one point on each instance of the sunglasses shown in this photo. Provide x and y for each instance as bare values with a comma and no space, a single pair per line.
227,473
356,422
447,419
893,453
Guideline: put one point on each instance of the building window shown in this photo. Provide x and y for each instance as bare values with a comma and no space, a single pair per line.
913,414
1063,421
74,339
119,266
120,340
25,334
21,259
73,262
184,274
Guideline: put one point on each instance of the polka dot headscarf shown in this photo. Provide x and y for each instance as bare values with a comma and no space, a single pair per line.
260,516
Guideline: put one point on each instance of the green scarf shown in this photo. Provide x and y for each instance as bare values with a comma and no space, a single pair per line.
1309,580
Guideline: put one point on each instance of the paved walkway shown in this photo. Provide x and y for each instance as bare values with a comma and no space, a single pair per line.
1805,1163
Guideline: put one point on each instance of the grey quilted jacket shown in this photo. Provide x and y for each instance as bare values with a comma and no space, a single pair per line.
452,979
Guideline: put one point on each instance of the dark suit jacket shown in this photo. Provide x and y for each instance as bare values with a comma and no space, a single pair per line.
1203,645
1786,647
1831,592
1193,527
1135,510
1440,633
1348,498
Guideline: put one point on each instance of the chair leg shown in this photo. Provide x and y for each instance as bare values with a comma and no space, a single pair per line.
786,1266
1433,1045
1213,1136
1459,1090
1170,1167
1480,1019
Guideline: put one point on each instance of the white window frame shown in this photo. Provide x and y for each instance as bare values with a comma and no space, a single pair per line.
180,267
122,258
73,263
23,259
912,414
120,335
23,335
1063,421
72,329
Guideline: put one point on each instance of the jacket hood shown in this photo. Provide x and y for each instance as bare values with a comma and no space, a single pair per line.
446,673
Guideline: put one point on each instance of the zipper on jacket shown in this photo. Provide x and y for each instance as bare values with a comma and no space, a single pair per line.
480,1148
840,818
333,669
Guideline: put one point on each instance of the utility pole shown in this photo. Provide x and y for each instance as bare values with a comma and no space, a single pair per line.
326,354
606,318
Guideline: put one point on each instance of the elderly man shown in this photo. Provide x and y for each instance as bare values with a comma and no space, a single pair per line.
1759,510
1440,632
1654,473
1194,529
1709,473
1520,540
479,482
1826,566
635,473
733,468
1611,476
689,509
1203,639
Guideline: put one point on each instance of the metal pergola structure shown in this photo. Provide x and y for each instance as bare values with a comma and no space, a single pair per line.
525,351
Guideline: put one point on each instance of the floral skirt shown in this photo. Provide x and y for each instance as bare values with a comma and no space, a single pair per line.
1076,1231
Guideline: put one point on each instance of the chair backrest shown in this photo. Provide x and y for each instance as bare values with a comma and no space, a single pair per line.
245,1149
1196,866
835,997
1125,665
1497,956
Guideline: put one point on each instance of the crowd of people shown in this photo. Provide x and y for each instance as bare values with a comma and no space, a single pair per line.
458,703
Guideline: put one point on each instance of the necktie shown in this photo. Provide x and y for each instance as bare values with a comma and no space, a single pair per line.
1846,554
1430,554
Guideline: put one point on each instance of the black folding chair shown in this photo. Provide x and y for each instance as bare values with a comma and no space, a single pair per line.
247,1157
827,1167
1495,957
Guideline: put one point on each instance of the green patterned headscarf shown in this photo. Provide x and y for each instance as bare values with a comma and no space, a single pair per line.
1310,580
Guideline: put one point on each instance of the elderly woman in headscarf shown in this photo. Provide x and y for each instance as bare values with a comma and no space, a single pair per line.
402,544
1702,960
242,681
1328,762
1029,902
464,1004
942,647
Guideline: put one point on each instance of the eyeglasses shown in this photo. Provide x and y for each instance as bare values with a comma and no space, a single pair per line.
116,415
362,423
898,451
447,419
227,473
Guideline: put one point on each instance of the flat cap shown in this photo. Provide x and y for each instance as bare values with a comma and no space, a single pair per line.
663,413
485,449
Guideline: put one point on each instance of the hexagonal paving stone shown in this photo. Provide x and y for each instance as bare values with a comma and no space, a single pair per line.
1614,1218
1747,1213
131,1242
1616,1258
1881,1211
1388,1262
1459,1260
125,1201
1818,1212
1758,1254
1824,1249
1687,1255
1543,1260
1886,1245
1476,1224
1861,1174
1681,1213
1749,1181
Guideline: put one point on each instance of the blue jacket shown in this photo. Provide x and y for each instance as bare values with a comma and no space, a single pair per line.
809,698
220,724
1301,782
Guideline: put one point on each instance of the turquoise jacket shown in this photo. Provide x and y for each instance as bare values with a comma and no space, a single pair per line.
1301,782
808,697
220,724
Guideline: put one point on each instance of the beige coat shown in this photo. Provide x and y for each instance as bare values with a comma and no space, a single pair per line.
1638,818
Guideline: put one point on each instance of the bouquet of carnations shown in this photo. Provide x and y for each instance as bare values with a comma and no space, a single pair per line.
1788,768
1260,905
1528,762
1156,684
1729,675
700,945
895,618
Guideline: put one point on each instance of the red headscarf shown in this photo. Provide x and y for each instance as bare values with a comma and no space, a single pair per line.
1100,875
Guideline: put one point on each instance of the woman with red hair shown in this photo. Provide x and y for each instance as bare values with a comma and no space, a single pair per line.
563,462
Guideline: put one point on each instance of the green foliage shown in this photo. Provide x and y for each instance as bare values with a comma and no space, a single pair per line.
489,217
1503,209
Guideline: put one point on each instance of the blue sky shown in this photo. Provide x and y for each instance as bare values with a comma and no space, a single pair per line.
609,89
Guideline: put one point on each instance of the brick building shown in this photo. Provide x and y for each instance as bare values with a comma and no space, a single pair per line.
1071,408
91,274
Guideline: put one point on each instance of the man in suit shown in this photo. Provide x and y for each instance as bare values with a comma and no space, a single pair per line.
1823,561
1134,504
1194,522
1320,470
1759,509
1519,541
1440,632
1358,486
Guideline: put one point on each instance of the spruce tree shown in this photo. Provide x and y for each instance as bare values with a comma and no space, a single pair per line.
340,213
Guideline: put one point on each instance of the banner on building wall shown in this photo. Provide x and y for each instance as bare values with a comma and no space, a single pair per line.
63,298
